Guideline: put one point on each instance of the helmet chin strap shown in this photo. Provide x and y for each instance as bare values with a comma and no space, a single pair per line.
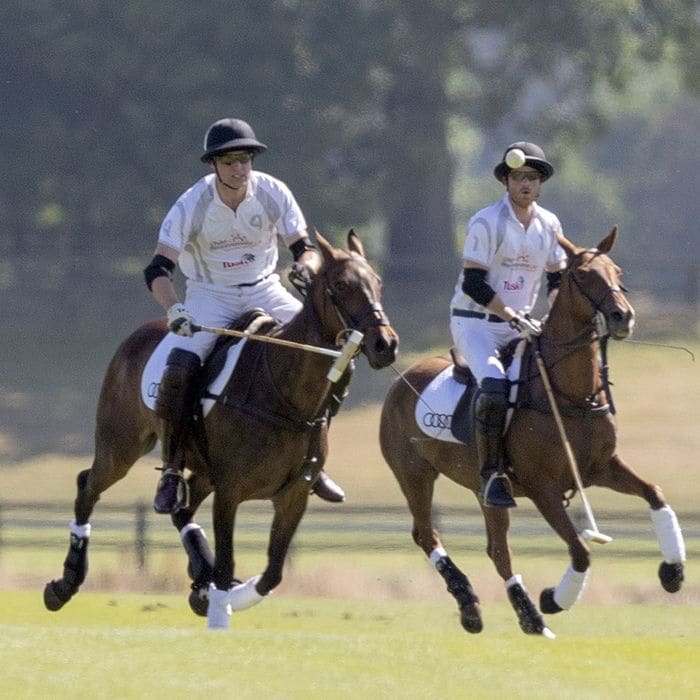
218,177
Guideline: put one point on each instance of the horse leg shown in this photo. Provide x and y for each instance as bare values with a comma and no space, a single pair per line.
200,564
497,522
562,597
418,486
623,479
224,517
106,470
289,510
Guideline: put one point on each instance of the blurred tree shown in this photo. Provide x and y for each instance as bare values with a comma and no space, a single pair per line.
385,115
105,107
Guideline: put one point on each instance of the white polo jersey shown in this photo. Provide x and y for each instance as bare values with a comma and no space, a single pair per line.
514,256
224,247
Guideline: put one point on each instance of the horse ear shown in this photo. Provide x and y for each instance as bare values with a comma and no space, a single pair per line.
605,246
324,246
355,244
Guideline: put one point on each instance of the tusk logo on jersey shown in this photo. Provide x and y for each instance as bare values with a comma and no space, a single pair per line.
247,259
514,286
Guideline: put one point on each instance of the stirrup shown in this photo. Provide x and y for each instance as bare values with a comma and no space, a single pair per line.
172,493
495,491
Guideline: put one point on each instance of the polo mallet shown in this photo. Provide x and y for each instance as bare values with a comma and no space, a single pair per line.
269,339
592,534
350,348
342,357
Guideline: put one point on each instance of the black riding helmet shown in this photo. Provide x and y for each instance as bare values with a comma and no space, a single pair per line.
230,135
534,157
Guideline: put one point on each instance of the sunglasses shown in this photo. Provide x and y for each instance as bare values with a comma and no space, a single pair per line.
231,158
519,175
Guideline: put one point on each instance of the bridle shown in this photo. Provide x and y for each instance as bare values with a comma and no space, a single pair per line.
598,326
611,288
370,316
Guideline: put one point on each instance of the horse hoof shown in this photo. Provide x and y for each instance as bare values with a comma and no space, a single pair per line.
671,576
547,603
470,617
199,600
55,596
199,597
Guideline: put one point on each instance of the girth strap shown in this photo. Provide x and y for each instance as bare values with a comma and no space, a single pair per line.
241,404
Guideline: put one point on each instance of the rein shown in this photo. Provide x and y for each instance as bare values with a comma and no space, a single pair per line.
578,342
352,346
576,409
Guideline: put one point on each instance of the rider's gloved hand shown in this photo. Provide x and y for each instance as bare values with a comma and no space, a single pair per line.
526,326
300,277
179,320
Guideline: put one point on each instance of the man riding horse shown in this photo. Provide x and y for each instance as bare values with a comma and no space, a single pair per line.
508,246
223,234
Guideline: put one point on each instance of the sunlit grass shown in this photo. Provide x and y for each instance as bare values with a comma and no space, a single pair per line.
131,646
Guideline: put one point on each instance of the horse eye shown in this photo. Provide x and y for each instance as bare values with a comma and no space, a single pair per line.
340,286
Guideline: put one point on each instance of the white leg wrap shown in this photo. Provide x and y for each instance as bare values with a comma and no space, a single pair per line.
437,554
188,528
244,595
669,534
570,587
515,578
219,610
82,531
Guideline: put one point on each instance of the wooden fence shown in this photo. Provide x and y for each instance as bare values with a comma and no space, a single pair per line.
340,528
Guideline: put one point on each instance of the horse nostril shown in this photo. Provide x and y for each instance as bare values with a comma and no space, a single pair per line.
384,347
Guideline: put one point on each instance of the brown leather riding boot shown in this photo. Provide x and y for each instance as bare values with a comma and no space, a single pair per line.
176,396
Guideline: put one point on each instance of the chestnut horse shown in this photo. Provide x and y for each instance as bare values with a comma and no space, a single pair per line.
270,443
572,349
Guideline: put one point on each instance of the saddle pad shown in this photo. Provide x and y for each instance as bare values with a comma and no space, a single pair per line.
153,371
436,406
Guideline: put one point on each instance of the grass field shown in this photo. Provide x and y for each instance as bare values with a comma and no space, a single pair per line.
373,624
135,646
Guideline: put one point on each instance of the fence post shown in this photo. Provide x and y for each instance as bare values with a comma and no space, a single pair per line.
140,542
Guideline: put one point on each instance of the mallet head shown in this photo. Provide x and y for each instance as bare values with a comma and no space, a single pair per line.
595,536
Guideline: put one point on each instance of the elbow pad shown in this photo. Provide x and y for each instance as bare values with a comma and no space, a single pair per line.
160,266
474,284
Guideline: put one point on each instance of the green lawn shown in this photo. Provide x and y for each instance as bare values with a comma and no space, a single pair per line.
151,646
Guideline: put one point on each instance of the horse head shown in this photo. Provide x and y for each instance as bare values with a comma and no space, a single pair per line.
346,295
593,281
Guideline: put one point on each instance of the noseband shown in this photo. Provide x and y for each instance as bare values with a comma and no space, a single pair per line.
611,289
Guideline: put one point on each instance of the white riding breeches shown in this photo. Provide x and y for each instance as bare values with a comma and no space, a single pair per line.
217,306
479,341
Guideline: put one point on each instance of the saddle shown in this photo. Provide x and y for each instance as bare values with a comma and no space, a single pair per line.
255,321
462,423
